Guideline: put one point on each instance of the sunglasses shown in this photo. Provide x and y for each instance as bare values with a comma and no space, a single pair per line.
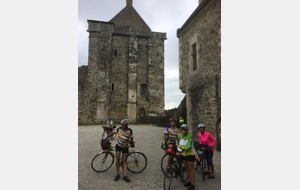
184,129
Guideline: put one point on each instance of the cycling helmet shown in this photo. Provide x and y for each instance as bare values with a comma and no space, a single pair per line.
172,119
125,121
201,125
184,126
109,117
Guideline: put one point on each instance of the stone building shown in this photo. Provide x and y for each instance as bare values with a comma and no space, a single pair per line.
125,73
200,67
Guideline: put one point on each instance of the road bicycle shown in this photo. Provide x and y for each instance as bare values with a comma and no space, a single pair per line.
110,128
200,158
164,160
136,160
174,167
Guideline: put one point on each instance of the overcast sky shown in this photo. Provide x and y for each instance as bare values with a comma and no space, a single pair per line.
160,15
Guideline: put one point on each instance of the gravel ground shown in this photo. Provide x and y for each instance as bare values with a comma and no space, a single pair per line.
148,139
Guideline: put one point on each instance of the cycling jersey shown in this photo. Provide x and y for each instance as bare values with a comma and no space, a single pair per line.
187,144
181,121
206,138
124,136
171,134
109,124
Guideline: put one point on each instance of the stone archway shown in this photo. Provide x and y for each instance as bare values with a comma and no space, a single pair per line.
142,115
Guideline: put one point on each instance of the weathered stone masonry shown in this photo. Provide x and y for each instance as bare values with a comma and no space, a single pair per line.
202,85
125,73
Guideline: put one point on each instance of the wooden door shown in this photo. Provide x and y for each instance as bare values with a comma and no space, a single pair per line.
142,115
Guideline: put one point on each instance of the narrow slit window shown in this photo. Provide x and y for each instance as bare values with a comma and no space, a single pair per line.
194,56
139,51
139,55
144,90
116,52
112,87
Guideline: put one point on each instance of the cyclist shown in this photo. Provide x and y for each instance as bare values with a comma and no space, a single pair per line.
188,152
110,124
125,136
181,121
170,134
207,138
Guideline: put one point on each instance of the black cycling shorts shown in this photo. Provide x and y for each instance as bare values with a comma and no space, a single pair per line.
189,158
119,149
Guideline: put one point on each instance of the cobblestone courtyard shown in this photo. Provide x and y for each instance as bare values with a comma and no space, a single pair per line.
148,139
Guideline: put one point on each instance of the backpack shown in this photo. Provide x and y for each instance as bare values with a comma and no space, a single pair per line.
171,149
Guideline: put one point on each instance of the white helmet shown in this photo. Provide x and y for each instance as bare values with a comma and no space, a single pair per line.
201,125
184,126
125,121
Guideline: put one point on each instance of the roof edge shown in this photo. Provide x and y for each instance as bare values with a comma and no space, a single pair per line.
131,7
193,15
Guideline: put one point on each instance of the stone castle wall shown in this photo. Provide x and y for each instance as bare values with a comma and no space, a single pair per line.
202,86
120,62
119,97
82,94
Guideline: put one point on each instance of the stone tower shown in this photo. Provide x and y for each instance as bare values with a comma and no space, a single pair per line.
125,73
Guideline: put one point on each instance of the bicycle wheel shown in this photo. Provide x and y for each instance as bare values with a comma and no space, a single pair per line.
102,162
196,162
136,162
169,174
164,162
180,170
203,165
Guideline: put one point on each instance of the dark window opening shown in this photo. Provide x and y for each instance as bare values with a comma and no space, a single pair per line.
144,90
116,52
139,55
112,87
194,55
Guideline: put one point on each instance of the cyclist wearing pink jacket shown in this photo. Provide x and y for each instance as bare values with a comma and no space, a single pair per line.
207,138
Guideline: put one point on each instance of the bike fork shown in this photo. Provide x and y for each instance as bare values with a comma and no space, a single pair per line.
105,157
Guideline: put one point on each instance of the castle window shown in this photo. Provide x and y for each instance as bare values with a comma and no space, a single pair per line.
139,55
112,87
139,52
194,55
144,90
116,52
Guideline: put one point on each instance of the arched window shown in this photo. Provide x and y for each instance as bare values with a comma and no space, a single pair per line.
144,90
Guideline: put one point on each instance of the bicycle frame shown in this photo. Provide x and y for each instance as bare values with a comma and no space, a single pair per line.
177,161
105,130
111,150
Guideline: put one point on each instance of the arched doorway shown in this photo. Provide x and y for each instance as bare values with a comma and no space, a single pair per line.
142,116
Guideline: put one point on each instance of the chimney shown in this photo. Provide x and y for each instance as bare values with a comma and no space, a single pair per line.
129,3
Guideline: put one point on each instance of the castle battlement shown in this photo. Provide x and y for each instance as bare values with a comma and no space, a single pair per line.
99,26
